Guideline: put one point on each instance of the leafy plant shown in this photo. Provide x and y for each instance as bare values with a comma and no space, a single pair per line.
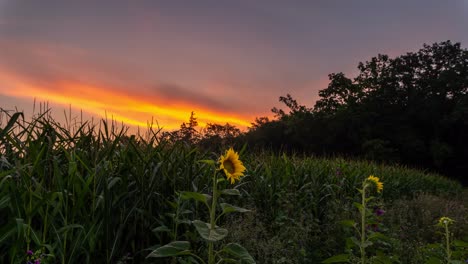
233,169
450,251
367,229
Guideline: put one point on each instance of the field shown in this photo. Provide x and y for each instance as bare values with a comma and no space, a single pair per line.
89,193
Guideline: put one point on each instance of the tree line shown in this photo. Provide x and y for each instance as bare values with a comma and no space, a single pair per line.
411,110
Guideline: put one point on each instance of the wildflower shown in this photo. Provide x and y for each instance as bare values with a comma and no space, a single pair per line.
376,181
38,261
444,220
231,165
379,212
29,252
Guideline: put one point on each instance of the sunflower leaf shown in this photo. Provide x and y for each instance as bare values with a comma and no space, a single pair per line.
348,223
175,248
201,197
460,243
337,259
220,180
209,234
162,228
239,252
230,192
227,208
358,206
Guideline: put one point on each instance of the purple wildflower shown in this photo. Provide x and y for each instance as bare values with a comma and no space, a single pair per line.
38,261
379,212
29,252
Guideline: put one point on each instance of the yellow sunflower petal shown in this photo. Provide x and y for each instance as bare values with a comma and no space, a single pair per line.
231,165
376,181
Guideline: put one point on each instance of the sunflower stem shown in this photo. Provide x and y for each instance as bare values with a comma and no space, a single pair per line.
211,259
363,225
447,243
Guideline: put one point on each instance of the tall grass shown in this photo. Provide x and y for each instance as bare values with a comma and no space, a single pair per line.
91,193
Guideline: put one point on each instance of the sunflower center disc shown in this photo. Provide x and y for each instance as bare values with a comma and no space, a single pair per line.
229,166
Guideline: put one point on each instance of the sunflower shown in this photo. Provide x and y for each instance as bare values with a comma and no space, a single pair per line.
443,221
376,181
231,165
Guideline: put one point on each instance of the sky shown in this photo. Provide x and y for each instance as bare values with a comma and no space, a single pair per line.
228,61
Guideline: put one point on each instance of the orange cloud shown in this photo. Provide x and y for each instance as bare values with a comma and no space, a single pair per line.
131,109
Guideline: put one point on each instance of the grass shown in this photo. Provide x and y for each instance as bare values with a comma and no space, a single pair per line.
90,193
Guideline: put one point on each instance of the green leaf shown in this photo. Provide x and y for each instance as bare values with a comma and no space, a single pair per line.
209,162
186,211
358,206
175,248
10,123
367,244
349,243
355,241
183,221
460,243
6,235
161,229
70,227
188,260
337,259
211,235
19,226
220,180
348,223
238,252
34,235
433,260
227,208
8,177
230,192
381,260
112,182
230,260
4,202
196,196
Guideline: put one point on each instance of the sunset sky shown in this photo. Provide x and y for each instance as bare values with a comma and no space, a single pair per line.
228,61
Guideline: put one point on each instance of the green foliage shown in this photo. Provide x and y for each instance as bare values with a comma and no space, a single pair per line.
367,232
175,248
238,252
90,193
210,231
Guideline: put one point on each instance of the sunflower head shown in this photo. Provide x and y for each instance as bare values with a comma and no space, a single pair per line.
445,221
231,165
376,181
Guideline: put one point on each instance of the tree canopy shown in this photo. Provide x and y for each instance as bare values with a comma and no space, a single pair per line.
411,109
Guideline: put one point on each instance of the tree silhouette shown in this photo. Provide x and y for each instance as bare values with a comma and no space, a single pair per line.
411,109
